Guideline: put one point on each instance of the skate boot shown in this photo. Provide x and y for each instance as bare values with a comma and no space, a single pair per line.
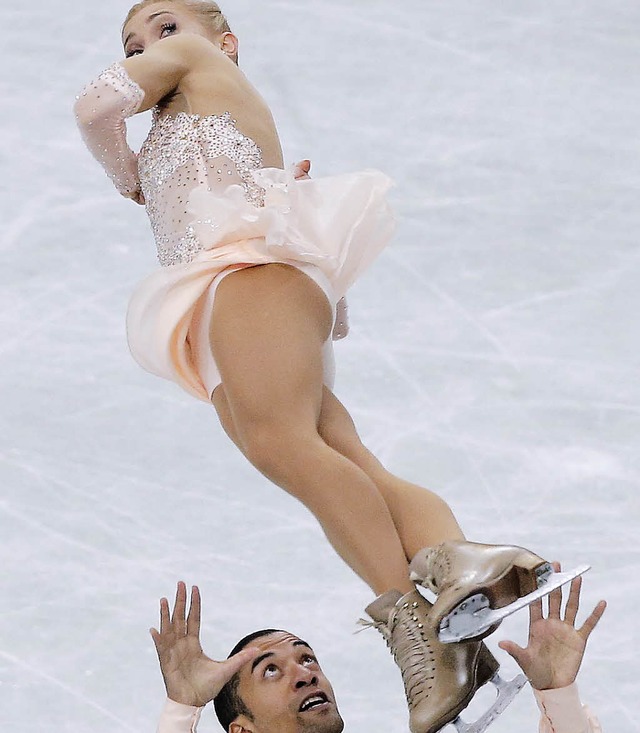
439,680
480,585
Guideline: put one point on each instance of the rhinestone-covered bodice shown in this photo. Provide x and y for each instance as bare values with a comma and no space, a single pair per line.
182,153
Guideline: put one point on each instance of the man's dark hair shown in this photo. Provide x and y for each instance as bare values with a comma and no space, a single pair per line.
228,704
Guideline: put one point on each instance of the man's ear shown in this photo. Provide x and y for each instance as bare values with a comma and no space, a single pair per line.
242,724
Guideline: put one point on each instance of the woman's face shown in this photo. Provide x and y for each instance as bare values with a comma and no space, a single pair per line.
157,21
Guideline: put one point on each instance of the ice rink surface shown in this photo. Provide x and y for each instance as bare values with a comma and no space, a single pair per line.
494,353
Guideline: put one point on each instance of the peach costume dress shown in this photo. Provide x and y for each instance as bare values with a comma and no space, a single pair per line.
214,209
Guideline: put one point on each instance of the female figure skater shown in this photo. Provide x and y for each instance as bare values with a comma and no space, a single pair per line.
242,312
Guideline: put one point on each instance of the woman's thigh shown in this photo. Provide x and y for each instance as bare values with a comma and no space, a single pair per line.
268,327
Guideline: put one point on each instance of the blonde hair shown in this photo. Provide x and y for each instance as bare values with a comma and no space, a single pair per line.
208,11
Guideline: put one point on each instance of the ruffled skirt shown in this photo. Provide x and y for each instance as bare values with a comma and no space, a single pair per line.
330,228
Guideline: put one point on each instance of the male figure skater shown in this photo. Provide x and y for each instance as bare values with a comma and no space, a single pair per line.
272,681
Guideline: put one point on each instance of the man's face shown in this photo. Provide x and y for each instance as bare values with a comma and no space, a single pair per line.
285,689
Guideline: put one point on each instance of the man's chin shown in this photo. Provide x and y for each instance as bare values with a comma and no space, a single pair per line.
322,721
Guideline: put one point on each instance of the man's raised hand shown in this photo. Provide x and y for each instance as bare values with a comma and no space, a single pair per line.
555,648
191,678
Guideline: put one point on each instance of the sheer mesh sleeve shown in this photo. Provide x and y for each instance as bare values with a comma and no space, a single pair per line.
101,110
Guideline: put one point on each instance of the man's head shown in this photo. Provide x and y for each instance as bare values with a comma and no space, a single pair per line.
283,690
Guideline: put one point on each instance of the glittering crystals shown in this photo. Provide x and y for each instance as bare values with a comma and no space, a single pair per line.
101,109
185,152
132,94
183,250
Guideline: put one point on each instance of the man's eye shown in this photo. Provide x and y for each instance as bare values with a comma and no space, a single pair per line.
270,670
168,28
308,659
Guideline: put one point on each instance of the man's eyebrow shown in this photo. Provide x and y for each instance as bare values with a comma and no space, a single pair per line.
259,659
153,16
266,655
299,642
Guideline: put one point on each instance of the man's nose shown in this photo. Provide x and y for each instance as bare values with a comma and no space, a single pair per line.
304,677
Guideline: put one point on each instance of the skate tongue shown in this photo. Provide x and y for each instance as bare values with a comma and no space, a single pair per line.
380,609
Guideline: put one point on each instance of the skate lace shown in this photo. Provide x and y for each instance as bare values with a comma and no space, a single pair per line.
414,655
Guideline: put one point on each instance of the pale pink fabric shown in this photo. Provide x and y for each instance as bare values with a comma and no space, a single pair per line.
101,109
330,228
562,712
177,718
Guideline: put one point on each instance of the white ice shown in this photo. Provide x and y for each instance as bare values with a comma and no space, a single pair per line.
494,353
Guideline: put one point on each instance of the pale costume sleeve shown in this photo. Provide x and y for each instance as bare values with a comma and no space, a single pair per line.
178,718
101,110
562,712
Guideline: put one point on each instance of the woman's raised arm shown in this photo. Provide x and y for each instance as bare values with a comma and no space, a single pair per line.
125,88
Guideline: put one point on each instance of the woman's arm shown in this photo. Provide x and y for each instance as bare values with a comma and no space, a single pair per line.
160,69
133,85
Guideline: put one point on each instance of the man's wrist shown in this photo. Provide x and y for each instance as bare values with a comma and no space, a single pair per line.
179,718
183,702
562,707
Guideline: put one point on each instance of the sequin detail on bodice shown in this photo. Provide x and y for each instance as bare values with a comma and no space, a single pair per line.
185,152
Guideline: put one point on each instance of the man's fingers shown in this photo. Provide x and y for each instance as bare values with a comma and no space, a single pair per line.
589,625
178,616
555,603
237,661
535,612
193,619
517,652
573,602
157,639
555,597
165,621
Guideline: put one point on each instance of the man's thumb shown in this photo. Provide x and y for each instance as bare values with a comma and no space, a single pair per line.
512,648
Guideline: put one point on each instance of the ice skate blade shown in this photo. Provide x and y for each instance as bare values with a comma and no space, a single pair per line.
474,616
506,694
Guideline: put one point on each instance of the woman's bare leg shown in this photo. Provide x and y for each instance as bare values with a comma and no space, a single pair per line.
268,327
421,517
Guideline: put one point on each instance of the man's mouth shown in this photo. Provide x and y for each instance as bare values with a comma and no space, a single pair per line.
313,701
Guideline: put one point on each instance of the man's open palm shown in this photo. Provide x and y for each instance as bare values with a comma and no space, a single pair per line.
555,648
191,678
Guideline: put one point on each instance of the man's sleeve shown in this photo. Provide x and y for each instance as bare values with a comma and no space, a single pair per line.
177,718
562,712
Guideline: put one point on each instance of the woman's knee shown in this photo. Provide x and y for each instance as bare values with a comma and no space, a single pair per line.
277,450
337,429
260,442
